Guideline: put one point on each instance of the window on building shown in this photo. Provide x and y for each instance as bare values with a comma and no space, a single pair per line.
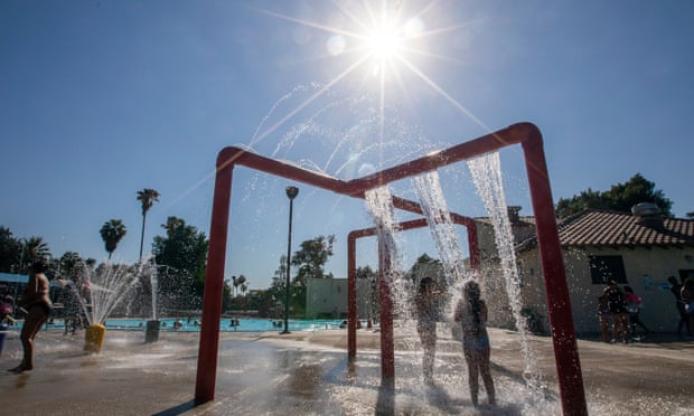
606,268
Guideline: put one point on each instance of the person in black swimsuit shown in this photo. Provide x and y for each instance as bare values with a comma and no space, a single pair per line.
676,289
618,310
36,302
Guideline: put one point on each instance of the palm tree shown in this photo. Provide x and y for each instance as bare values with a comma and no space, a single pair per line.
238,282
244,287
33,249
147,197
90,262
112,232
69,264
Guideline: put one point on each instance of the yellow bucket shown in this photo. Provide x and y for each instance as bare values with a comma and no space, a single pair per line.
94,338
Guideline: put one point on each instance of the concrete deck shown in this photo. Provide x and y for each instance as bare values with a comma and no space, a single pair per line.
307,373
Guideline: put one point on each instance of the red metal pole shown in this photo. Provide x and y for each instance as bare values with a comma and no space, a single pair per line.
214,281
473,245
386,316
558,301
351,297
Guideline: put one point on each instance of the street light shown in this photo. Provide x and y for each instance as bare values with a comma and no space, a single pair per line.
292,192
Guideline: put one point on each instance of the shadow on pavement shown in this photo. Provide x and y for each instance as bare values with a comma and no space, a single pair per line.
385,404
177,410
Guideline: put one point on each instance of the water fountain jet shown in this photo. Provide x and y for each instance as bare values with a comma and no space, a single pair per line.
105,288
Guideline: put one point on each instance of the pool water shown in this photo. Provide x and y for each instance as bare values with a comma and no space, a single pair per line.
192,325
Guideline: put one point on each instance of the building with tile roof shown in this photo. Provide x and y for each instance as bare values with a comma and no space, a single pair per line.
641,251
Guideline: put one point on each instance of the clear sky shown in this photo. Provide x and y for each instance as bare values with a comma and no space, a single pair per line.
101,98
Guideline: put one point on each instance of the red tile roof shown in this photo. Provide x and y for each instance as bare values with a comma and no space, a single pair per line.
609,228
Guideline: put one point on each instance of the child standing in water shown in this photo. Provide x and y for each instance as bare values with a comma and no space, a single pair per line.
426,303
471,312
36,302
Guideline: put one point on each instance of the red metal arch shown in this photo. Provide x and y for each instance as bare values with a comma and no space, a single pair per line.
558,301
352,237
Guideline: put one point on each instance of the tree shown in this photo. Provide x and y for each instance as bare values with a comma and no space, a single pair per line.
70,262
261,301
297,290
311,258
279,279
621,197
33,249
112,232
238,281
227,300
368,274
365,273
147,198
585,200
427,266
690,214
10,251
184,250
90,263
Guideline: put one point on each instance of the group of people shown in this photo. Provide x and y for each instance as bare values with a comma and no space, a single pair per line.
471,315
619,314
619,311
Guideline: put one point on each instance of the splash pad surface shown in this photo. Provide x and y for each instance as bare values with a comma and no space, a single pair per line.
308,373
526,134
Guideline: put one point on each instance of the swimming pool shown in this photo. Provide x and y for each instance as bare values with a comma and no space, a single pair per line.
245,324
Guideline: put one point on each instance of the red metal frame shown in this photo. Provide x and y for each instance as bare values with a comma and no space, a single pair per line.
352,237
558,301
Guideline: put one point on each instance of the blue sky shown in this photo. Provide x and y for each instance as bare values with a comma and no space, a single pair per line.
100,99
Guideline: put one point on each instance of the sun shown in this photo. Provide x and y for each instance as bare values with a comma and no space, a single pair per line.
391,38
384,43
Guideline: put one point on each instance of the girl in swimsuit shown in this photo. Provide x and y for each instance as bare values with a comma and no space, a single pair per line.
471,312
426,302
36,302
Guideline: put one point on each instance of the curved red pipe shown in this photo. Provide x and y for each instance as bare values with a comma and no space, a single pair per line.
558,301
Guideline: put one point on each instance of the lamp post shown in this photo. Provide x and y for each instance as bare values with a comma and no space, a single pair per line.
292,192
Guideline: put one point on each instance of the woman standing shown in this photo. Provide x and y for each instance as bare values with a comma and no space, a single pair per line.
426,303
471,312
36,302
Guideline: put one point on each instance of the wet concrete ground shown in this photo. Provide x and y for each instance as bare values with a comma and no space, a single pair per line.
307,373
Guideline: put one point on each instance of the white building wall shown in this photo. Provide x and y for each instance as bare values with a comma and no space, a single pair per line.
647,270
329,297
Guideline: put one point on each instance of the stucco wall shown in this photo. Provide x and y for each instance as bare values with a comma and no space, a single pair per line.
646,272
491,277
329,296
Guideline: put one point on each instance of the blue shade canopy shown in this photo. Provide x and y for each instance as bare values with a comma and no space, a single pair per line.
14,278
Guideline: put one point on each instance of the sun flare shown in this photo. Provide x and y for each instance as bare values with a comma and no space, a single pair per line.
390,38
384,43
